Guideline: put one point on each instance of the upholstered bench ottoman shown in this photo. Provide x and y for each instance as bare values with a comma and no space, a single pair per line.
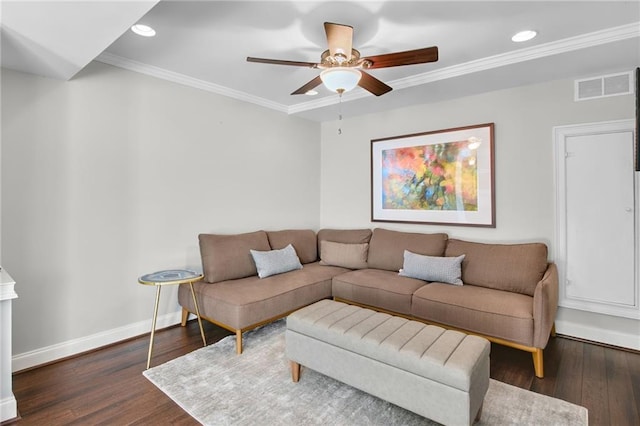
440,374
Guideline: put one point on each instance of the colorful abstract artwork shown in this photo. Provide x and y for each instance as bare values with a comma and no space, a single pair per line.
442,177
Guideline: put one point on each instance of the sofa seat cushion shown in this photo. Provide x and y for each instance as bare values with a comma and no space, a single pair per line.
247,301
377,288
497,313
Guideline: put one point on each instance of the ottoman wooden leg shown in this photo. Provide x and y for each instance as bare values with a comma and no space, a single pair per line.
479,414
295,371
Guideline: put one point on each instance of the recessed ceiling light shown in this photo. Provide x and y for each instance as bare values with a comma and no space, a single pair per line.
524,36
311,92
143,30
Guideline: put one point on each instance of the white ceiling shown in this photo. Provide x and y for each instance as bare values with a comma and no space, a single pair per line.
205,44
58,38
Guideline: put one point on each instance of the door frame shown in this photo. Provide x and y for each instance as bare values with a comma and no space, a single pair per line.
560,135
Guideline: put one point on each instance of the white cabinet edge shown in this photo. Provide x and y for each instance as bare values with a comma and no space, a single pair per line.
7,285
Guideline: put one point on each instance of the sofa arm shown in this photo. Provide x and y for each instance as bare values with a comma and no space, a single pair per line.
545,306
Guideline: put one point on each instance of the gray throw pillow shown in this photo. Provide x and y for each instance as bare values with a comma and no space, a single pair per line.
432,268
276,261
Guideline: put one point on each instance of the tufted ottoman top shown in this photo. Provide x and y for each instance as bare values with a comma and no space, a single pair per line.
445,356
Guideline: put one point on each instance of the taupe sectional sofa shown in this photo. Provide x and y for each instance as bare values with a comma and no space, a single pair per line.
509,293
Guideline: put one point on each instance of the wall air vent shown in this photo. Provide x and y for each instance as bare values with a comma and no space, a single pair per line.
604,86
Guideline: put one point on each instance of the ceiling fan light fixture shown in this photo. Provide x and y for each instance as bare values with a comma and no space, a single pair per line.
340,79
143,30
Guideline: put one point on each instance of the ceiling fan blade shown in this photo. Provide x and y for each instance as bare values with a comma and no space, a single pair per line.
339,39
310,85
280,62
410,57
373,85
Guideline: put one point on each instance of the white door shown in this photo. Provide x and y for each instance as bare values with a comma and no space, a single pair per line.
598,233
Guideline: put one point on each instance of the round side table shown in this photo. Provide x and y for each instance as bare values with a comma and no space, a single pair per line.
171,277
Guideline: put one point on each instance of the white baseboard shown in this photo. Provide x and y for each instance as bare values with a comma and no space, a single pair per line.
609,337
622,332
570,325
87,343
8,408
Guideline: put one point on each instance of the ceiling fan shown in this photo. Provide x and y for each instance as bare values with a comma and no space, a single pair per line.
343,68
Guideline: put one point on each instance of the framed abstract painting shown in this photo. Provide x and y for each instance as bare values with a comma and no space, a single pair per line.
441,177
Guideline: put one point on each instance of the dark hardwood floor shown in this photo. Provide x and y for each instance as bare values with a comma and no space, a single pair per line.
107,386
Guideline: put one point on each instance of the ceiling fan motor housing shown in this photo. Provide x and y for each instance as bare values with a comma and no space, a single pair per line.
340,60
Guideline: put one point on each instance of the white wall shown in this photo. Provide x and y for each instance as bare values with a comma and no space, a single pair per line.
524,118
113,174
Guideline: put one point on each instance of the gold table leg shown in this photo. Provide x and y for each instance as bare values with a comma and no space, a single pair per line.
153,324
195,302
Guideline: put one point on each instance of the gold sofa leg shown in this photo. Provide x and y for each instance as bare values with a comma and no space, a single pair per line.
538,365
553,330
239,342
185,316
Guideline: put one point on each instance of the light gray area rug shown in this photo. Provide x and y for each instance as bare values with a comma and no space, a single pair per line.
218,387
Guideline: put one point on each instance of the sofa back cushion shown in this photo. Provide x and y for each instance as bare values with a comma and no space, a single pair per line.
345,236
386,249
227,257
511,267
303,241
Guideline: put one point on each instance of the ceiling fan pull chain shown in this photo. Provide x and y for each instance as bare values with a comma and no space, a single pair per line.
340,112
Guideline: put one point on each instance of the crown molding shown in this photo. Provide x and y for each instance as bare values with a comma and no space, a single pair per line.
583,41
161,73
570,44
